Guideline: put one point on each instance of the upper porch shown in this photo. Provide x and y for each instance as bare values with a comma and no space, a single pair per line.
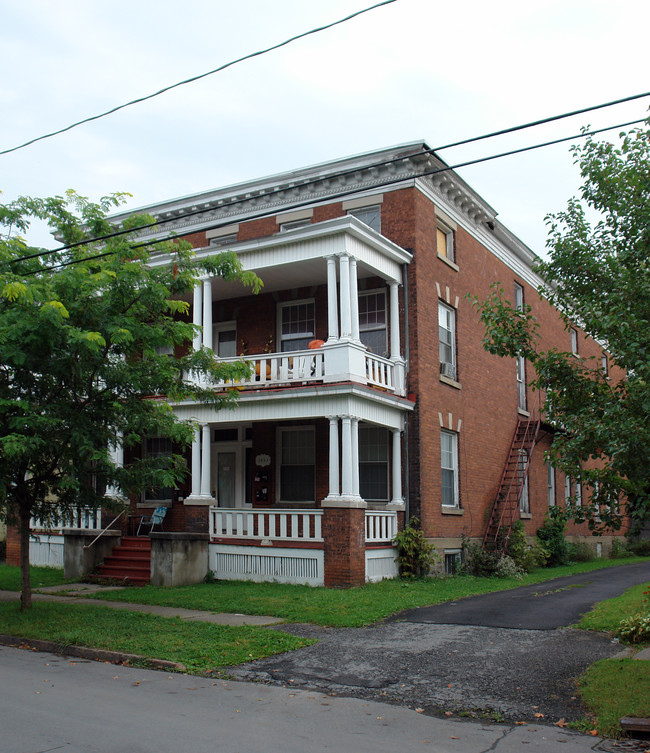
329,310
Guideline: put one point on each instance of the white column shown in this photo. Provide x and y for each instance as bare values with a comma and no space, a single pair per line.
394,321
205,461
197,314
207,314
346,460
196,462
397,468
332,303
355,457
354,299
116,454
334,457
346,313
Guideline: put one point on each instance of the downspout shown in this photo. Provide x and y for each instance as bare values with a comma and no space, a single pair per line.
406,422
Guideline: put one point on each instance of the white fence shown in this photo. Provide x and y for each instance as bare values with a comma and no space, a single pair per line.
381,526
280,368
46,541
379,371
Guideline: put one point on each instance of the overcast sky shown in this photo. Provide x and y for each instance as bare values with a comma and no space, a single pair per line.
414,69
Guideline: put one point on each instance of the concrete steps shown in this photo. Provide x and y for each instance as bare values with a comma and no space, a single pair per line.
130,561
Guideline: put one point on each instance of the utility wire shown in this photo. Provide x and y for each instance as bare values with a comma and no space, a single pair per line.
197,78
424,173
344,173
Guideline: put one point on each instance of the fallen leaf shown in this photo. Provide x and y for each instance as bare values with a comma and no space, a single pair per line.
420,711
449,713
593,732
380,717
451,737
561,723
538,715
521,723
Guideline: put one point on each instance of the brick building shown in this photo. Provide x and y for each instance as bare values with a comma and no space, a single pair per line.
371,397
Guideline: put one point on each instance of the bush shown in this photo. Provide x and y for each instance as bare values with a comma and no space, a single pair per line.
639,547
527,556
551,536
618,549
508,568
415,556
635,629
580,551
476,561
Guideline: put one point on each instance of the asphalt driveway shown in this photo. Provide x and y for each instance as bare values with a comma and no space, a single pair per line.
507,656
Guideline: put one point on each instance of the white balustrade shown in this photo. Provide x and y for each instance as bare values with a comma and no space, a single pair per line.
381,526
266,525
379,371
280,368
85,518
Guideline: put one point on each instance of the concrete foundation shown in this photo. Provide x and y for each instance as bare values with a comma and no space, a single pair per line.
178,559
79,561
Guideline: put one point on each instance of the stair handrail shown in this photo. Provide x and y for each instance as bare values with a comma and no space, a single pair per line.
103,531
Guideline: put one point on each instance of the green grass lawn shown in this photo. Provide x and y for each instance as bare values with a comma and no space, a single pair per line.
614,688
41,576
352,607
201,646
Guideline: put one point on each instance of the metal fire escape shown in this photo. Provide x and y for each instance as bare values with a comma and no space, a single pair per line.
513,479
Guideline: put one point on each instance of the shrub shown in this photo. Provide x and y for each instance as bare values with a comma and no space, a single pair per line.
580,551
476,561
508,568
640,547
635,629
415,556
551,537
618,549
526,555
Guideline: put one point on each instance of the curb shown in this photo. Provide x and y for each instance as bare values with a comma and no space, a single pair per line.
93,654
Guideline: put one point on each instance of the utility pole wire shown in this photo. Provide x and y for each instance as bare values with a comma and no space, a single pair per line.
197,78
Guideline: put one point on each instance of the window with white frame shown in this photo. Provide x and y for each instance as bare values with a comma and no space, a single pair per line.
522,472
447,340
224,241
297,325
519,297
294,225
371,216
449,468
574,341
372,321
520,366
445,242
225,339
578,494
567,490
604,365
550,483
157,447
373,463
297,461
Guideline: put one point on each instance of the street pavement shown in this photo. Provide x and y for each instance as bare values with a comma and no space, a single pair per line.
50,703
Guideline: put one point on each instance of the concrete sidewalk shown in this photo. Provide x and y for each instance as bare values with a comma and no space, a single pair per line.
73,593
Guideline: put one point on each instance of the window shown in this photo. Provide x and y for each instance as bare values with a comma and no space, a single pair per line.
604,365
449,468
550,483
373,463
522,472
297,325
520,363
224,241
445,242
372,321
225,340
519,297
453,561
370,215
578,494
567,490
297,453
447,340
293,225
164,350
158,447
574,341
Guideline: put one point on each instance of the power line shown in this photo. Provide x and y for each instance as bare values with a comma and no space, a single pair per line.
198,77
424,173
344,173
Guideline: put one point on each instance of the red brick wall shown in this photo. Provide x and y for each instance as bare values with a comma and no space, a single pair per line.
345,549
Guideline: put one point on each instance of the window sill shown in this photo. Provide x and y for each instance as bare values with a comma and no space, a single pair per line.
449,262
523,412
451,382
451,510
525,515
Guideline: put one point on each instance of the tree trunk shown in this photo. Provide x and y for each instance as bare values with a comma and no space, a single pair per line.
25,579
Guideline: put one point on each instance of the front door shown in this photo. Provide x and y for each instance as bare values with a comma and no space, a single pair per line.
229,474
226,479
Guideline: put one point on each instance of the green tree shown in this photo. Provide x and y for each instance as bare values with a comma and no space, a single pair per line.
598,277
83,332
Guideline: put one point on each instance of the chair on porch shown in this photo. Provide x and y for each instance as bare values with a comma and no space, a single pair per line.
156,519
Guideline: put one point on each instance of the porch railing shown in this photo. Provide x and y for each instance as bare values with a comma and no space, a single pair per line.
379,371
270,525
85,518
381,526
281,368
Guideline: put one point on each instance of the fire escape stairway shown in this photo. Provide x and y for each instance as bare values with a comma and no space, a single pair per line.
506,504
130,561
